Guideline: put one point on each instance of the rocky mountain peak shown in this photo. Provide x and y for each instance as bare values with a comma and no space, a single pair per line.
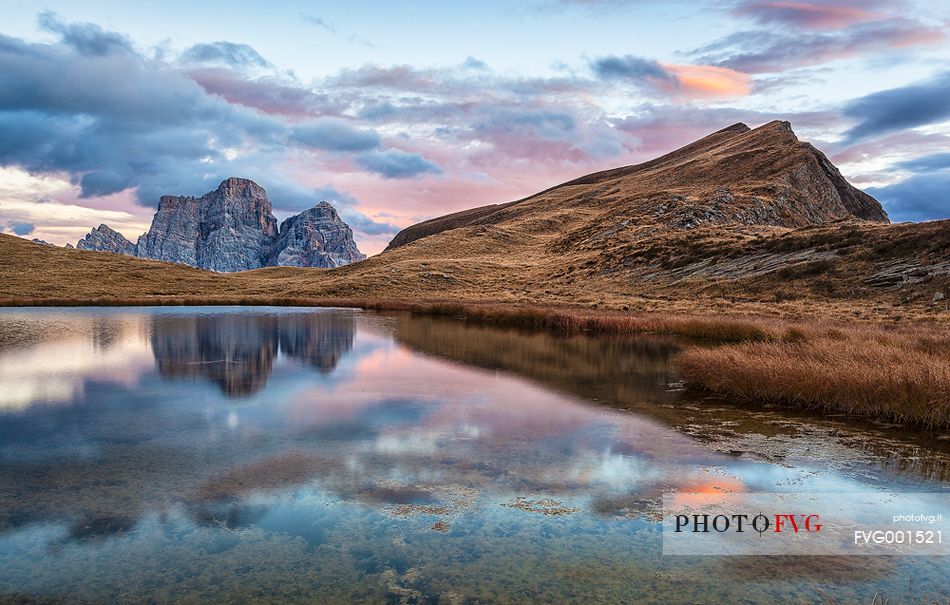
316,237
737,127
235,188
105,239
233,229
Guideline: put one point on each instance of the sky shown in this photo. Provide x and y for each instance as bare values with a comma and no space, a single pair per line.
400,111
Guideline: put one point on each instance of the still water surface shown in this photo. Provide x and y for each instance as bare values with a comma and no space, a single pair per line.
299,455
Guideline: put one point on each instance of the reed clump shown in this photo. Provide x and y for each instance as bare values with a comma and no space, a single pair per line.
862,371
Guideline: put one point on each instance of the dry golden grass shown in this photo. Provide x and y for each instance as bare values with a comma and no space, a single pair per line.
900,376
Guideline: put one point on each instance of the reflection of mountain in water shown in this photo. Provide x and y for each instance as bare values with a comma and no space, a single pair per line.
237,352
626,373
319,340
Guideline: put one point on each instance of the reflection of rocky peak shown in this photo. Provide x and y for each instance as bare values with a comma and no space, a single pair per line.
105,239
317,237
233,351
237,352
319,340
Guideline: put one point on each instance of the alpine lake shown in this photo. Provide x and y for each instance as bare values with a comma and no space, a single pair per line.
297,455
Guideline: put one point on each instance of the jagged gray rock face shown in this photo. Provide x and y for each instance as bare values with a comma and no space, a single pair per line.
317,237
233,229
229,229
105,239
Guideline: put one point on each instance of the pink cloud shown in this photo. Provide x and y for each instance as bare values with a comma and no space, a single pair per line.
825,15
901,144
707,81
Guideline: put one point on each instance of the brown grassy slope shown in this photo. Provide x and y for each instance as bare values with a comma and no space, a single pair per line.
828,270
764,176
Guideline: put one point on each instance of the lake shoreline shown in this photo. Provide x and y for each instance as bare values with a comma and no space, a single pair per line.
883,370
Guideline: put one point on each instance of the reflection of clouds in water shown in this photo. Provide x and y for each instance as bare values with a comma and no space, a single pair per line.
614,471
234,350
56,372
408,442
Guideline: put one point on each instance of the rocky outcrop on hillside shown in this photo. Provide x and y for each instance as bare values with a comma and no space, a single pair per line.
315,238
105,239
233,229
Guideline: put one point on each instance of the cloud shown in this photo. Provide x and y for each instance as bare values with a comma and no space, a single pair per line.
49,203
473,63
319,22
900,108
706,81
928,163
117,122
121,121
825,15
88,39
123,125
771,51
397,164
677,80
333,134
919,198
224,53
658,129
22,228
901,145
630,68
346,205
329,27
396,77
267,94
